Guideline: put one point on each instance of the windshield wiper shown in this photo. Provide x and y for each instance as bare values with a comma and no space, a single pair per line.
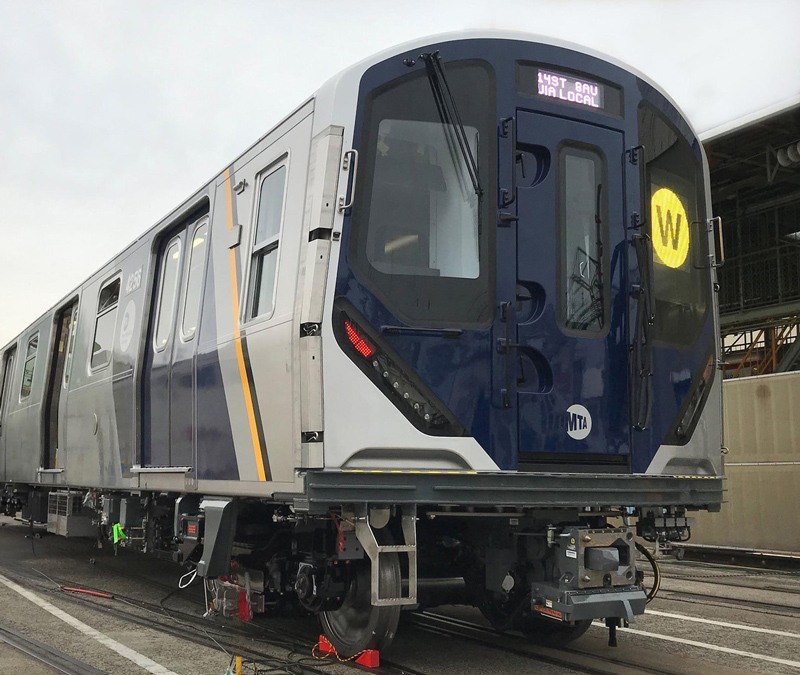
642,350
598,233
448,113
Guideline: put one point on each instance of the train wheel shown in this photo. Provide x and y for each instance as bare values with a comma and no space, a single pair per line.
357,625
549,633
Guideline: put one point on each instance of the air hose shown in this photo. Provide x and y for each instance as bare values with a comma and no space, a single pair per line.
656,571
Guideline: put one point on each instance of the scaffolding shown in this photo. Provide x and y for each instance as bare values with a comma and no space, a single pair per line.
759,289
762,268
761,350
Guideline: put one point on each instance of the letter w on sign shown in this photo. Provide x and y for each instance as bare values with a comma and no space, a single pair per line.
668,231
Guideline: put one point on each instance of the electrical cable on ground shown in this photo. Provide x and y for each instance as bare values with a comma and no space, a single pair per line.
269,665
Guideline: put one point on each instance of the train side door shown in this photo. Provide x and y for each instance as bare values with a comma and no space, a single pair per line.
56,382
182,374
5,389
168,378
571,353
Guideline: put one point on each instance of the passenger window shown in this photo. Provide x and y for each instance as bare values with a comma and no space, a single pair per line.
30,364
169,284
105,325
265,245
194,283
581,213
73,326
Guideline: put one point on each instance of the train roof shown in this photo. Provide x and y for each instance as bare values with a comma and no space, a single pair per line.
330,88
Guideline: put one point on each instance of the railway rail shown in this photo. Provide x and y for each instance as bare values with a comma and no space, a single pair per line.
231,638
731,587
51,657
771,608
571,657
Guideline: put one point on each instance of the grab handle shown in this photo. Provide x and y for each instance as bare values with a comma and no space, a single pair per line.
720,257
345,202
636,157
509,128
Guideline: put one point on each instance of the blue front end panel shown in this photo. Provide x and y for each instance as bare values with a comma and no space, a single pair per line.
526,340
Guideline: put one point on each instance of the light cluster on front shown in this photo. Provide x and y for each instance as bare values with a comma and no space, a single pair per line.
387,373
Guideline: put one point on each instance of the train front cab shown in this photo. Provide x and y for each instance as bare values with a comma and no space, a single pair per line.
526,275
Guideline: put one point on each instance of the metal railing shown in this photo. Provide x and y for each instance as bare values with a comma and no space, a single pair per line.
766,277
761,350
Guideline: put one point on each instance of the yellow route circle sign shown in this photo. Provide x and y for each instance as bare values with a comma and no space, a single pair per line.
670,228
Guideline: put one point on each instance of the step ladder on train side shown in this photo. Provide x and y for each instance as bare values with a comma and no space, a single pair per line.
367,521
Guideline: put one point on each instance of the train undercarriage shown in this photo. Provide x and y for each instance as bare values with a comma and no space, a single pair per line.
547,572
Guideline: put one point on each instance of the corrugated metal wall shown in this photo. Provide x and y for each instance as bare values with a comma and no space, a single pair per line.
762,432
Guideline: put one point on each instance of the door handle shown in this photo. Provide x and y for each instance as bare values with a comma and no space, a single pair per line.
504,345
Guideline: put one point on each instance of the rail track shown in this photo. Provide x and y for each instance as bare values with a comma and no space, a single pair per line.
573,658
718,600
178,614
49,656
230,639
240,638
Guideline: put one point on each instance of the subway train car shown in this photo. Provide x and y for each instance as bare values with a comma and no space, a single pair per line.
447,333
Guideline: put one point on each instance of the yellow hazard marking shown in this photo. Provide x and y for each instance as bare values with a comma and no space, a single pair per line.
237,337
670,228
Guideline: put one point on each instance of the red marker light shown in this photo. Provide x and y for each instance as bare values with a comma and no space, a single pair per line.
362,346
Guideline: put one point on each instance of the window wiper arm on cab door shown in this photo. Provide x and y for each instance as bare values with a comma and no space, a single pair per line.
448,112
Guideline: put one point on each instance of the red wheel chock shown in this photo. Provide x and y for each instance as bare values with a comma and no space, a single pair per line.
369,658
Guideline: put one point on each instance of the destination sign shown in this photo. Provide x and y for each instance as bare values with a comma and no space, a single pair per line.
571,89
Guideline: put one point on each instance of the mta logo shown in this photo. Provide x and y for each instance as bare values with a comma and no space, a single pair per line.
579,422
576,422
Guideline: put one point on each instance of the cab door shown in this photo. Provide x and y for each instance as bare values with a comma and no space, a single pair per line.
569,357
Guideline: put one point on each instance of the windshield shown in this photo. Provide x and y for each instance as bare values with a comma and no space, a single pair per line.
419,238
424,208
677,228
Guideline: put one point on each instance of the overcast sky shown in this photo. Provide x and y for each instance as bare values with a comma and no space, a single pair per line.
113,112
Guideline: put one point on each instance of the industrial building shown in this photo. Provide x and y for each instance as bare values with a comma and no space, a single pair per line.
755,188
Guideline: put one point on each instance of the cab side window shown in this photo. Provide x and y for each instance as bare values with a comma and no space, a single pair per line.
264,262
105,325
